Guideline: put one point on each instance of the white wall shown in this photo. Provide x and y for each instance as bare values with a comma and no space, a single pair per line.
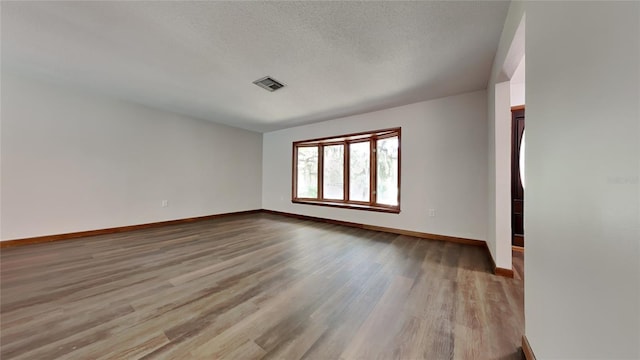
502,178
582,261
517,94
444,150
73,161
517,85
508,56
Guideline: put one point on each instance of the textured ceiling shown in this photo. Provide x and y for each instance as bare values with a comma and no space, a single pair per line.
200,58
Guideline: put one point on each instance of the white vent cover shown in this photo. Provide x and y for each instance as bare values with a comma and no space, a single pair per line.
269,83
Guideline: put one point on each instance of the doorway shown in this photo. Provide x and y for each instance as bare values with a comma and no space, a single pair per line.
517,175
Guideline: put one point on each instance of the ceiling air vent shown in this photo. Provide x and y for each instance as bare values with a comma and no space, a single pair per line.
269,83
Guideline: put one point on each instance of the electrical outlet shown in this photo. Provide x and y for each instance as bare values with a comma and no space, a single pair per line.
165,203
432,212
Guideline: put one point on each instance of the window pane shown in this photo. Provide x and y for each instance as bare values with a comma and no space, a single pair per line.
333,176
387,171
307,177
359,162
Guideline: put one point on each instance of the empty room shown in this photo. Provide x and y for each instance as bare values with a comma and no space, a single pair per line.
320,180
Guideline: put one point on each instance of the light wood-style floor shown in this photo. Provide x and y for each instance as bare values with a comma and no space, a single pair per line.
256,286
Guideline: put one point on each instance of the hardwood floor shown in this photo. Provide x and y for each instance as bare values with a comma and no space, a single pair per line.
256,286
518,264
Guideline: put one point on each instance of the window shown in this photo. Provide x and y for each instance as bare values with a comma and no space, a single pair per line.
307,166
359,171
333,172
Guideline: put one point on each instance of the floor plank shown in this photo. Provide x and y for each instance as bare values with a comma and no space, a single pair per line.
256,286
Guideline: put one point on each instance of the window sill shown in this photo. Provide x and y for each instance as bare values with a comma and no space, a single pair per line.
392,210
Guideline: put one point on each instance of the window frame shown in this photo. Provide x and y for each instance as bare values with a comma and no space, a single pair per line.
372,137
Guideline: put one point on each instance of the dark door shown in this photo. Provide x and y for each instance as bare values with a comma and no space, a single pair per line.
517,188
